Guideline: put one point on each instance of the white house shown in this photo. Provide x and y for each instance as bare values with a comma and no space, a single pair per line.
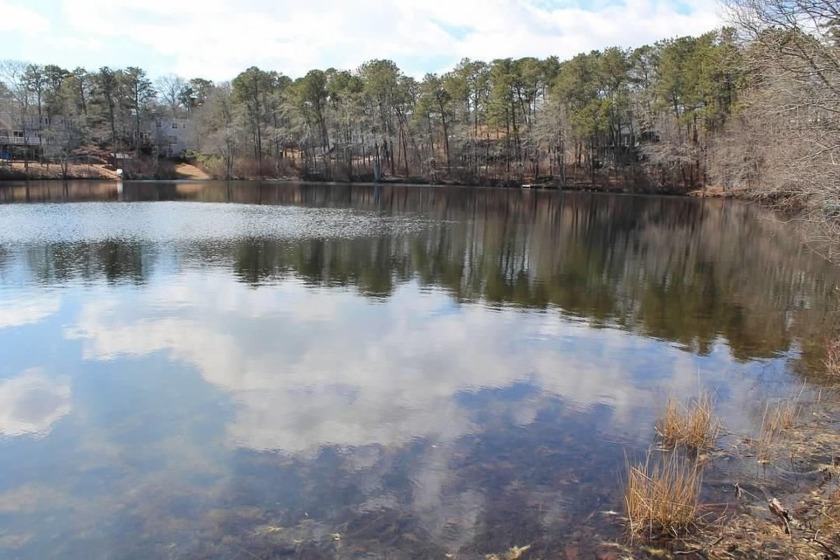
173,137
31,133
12,130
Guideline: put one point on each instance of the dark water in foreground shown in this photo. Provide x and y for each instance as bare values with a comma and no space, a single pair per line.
269,371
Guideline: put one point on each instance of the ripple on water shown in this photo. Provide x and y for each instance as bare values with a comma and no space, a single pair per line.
162,222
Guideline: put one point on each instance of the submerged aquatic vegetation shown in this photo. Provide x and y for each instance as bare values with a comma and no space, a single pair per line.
661,496
693,425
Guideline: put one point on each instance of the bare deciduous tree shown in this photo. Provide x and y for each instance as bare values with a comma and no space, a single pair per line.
793,102
170,90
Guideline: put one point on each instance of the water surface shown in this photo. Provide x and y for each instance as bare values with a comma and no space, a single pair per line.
211,370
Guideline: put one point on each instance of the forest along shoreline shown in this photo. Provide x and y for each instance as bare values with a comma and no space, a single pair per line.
680,115
179,170
746,109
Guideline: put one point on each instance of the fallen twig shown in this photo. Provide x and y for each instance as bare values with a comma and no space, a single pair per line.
777,509
827,549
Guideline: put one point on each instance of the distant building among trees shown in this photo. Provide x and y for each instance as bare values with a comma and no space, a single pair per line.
172,137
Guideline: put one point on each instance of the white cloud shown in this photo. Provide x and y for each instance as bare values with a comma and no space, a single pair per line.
20,19
31,403
22,311
218,39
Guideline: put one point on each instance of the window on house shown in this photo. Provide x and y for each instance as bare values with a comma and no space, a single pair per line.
158,124
174,125
184,126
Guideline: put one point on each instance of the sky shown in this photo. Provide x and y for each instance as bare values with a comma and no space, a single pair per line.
217,39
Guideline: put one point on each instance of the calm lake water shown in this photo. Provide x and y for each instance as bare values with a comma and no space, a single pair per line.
255,370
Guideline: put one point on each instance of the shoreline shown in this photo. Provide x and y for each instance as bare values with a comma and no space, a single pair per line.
20,178
183,171
781,499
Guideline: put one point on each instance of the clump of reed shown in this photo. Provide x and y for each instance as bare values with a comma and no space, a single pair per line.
662,496
693,425
782,415
778,417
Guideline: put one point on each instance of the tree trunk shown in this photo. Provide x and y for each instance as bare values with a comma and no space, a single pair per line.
446,142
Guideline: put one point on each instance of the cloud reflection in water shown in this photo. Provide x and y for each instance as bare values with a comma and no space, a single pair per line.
31,403
312,367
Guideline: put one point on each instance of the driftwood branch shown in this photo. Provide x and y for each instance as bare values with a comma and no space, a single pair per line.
777,509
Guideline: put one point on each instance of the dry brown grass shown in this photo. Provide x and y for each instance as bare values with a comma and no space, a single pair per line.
777,419
662,496
670,424
832,358
188,171
693,425
53,171
783,415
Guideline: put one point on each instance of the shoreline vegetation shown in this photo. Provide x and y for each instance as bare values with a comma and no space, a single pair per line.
747,110
180,170
771,493
188,171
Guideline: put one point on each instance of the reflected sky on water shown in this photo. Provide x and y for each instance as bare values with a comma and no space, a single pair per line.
232,370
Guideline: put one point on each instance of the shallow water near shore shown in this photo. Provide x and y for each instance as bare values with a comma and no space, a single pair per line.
233,370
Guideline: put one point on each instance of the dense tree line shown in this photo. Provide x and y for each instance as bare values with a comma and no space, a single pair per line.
595,116
640,117
754,106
